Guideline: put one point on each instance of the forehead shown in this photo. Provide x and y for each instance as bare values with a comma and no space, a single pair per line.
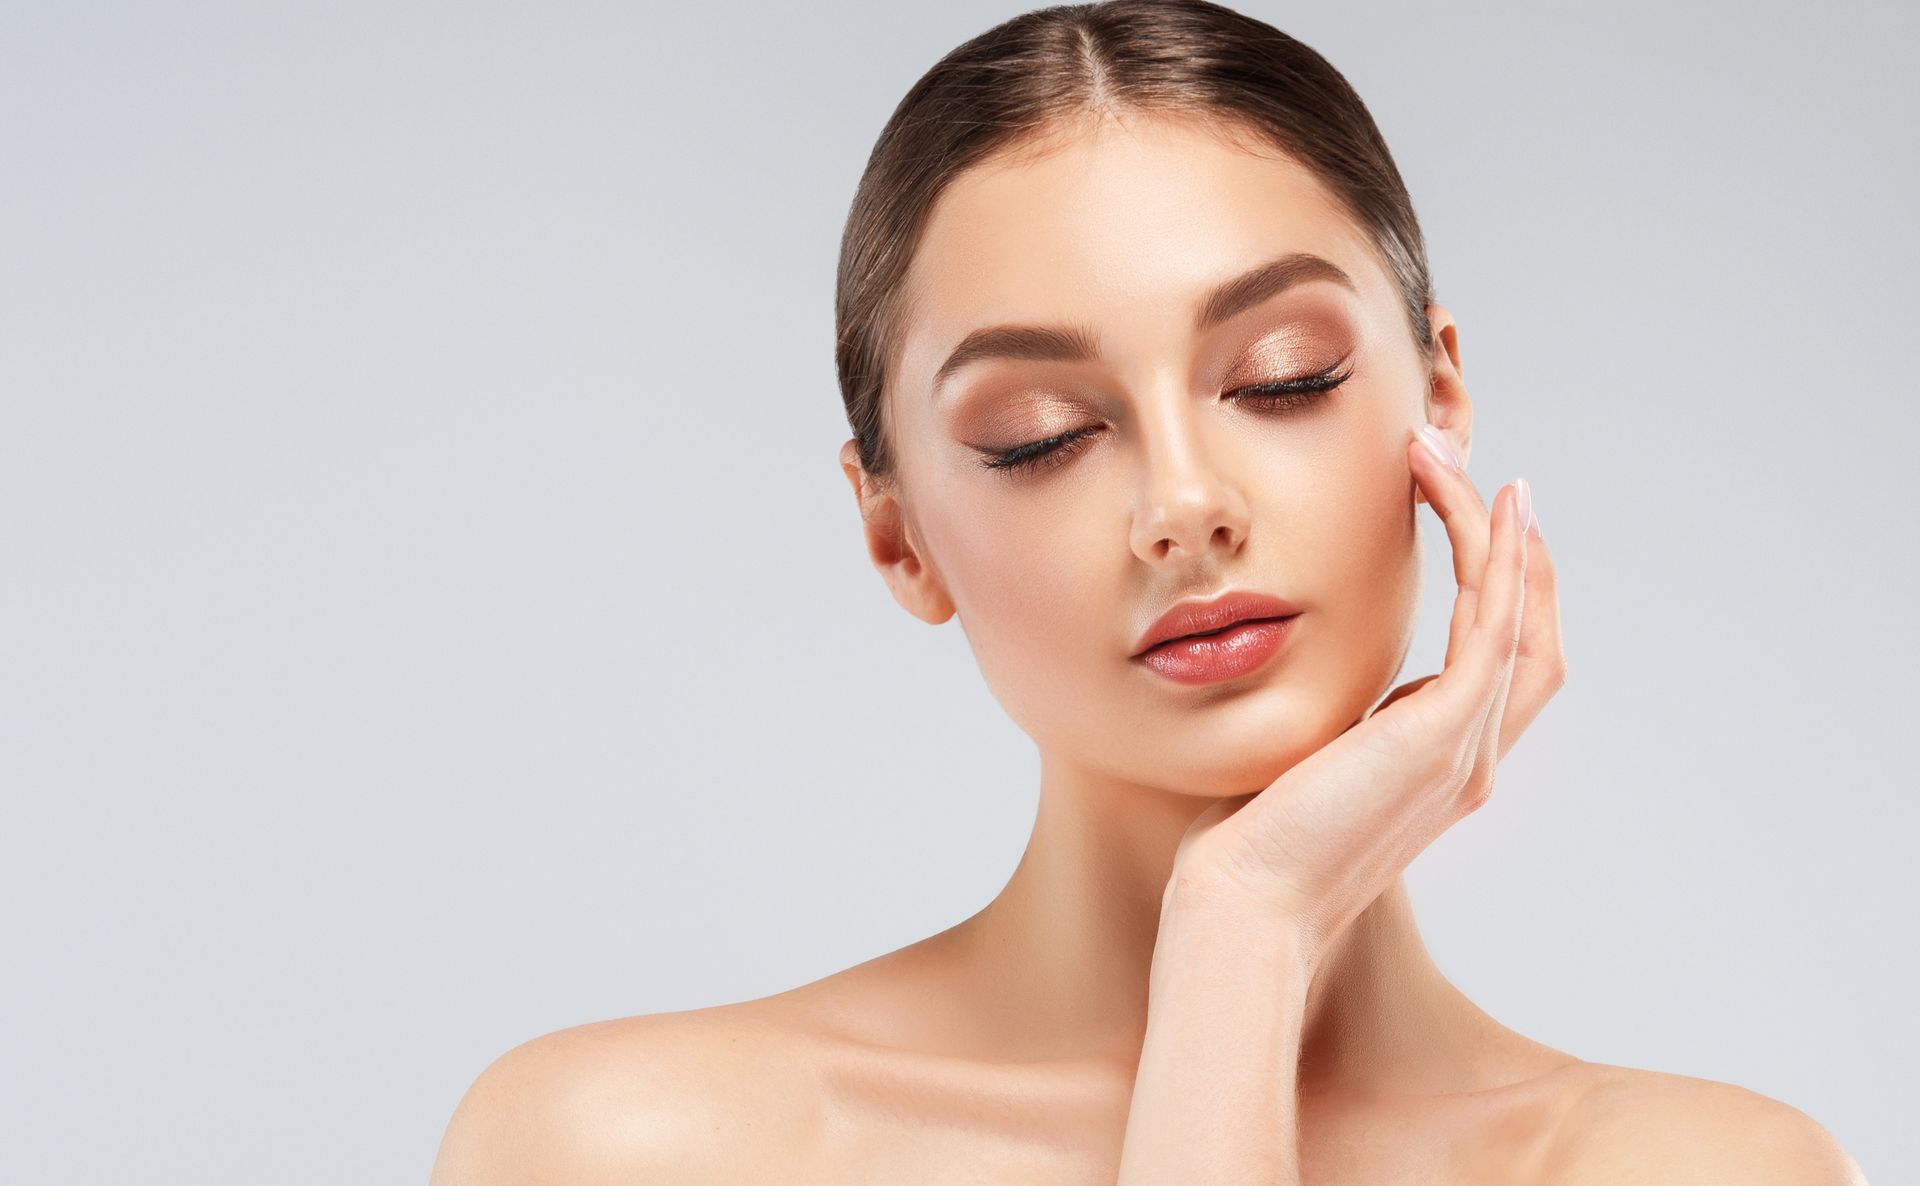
1120,226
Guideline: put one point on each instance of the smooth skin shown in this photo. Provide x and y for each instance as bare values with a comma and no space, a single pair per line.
1205,968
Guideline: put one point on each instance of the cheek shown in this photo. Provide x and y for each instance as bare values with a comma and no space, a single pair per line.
1339,533
1028,591
1349,511
1368,579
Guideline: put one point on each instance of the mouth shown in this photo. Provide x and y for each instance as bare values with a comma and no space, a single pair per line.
1189,622
1235,651
1229,627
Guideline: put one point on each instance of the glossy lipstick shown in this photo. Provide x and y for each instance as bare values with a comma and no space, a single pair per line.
1205,642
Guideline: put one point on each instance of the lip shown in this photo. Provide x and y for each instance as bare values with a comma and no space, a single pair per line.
1217,613
1239,650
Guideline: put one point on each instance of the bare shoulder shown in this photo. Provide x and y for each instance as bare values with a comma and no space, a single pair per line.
703,1095
1624,1124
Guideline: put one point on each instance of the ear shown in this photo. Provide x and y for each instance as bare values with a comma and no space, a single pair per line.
1447,406
896,554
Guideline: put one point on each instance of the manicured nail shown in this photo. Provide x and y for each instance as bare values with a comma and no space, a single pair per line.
1442,448
1524,494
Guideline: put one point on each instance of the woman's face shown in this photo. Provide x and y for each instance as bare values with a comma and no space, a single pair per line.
1174,491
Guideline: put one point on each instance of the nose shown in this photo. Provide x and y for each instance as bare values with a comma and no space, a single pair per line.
1188,503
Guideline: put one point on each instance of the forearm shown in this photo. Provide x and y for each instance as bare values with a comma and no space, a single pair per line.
1214,1095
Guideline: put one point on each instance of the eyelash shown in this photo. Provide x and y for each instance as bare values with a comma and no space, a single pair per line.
1284,396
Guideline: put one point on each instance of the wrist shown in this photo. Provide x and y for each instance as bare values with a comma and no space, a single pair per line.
1205,905
1201,925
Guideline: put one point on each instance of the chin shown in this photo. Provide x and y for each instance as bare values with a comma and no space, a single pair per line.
1231,748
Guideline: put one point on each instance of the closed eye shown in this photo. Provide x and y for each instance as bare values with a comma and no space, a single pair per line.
1284,396
1292,393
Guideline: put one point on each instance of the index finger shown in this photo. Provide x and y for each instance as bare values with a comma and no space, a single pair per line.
1468,519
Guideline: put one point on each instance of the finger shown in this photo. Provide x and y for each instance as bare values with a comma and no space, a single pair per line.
1505,585
1454,497
1487,734
1480,674
1540,667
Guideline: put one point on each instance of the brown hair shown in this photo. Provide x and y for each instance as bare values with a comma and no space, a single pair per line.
1038,72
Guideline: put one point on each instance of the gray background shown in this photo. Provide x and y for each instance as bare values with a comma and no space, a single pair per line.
433,614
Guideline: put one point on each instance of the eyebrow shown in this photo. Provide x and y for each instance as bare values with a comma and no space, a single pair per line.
1078,343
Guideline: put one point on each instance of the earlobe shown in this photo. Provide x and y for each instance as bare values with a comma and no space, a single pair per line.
902,560
895,554
919,590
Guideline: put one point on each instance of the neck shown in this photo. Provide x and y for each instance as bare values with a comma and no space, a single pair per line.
1057,964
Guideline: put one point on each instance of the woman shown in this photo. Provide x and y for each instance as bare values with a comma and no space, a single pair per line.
1147,385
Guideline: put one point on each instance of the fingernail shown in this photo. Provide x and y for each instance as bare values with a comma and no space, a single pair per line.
1442,448
1524,493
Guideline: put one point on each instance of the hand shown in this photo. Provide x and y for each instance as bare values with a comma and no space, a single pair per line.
1328,836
